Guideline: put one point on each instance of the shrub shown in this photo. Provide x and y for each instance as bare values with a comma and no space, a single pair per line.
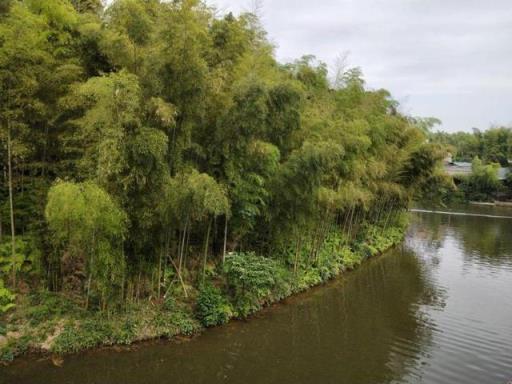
169,303
184,323
88,334
6,298
253,281
178,321
26,257
48,305
309,278
15,348
330,257
350,259
212,308
126,332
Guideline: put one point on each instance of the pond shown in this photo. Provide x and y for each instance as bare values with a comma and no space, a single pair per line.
437,309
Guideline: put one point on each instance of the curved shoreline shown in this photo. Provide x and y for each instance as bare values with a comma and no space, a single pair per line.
181,328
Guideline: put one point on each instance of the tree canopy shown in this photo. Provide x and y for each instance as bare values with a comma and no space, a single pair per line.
144,139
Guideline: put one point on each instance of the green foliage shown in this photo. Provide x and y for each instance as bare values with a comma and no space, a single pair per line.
375,240
84,6
126,332
46,306
6,298
212,308
483,183
177,322
77,211
78,335
492,146
14,348
88,334
196,195
349,258
26,259
5,5
150,139
490,149
111,105
169,303
88,225
184,324
252,280
438,190
422,164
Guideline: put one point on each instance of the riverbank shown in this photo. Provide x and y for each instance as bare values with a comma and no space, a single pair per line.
495,203
47,323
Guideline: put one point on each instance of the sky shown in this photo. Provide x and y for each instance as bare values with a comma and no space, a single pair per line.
450,59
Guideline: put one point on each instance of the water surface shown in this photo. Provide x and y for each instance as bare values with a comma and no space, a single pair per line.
438,309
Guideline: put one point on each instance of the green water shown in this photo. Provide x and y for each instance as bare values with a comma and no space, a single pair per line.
438,309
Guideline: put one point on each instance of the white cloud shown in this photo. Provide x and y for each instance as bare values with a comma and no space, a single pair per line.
446,58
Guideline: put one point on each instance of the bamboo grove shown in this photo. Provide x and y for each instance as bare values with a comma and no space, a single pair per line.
144,142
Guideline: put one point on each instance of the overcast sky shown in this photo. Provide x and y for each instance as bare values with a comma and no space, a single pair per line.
451,59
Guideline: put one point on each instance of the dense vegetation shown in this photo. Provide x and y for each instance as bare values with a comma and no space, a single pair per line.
483,184
487,151
160,167
492,146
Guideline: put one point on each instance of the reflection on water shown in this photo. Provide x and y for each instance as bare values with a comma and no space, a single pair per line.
482,241
436,310
471,261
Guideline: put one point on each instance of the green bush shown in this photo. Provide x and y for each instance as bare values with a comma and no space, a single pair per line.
6,298
483,184
184,323
169,303
212,308
253,281
87,334
15,348
330,260
125,333
26,257
350,259
48,305
308,278
179,321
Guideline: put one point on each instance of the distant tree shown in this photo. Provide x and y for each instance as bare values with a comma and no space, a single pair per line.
483,184
496,145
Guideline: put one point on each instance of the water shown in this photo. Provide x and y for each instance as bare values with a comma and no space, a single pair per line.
438,310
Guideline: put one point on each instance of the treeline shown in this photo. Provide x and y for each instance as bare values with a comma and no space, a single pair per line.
491,146
482,185
144,142
487,151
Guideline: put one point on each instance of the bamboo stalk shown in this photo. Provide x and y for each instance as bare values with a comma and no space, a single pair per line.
206,247
225,239
11,204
